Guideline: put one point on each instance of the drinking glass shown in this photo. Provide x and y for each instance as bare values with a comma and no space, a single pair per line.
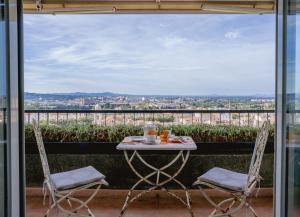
164,136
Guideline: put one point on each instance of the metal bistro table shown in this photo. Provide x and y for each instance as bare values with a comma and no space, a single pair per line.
131,151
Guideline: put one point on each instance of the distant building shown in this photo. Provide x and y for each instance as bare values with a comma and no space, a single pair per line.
87,101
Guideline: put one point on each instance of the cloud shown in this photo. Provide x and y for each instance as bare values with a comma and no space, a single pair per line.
184,54
172,41
232,35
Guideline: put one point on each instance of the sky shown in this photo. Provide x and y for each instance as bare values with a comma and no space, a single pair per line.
150,54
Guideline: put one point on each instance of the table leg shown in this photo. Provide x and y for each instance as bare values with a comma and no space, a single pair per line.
158,184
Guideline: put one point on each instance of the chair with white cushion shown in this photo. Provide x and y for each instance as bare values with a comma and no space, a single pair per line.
240,186
62,186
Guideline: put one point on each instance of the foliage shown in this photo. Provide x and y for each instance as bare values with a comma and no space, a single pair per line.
86,132
157,118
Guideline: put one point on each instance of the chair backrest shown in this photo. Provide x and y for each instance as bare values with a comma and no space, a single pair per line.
260,145
41,147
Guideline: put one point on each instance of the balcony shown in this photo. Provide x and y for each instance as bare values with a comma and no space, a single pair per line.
109,203
76,138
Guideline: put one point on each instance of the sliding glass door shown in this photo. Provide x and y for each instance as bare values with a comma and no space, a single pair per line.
288,110
11,151
292,187
3,108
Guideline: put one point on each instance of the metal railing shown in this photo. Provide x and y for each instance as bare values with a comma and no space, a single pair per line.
162,116
2,115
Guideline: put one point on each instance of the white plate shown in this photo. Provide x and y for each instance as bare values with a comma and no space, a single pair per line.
137,138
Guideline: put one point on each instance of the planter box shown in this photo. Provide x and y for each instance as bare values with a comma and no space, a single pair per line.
105,157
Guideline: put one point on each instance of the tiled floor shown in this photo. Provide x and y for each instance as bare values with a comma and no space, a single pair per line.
152,205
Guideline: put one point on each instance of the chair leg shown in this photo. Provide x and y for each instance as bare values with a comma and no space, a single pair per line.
69,213
69,198
251,209
84,203
49,210
229,211
225,211
219,210
69,202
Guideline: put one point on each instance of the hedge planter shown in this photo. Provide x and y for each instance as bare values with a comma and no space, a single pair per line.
95,133
72,146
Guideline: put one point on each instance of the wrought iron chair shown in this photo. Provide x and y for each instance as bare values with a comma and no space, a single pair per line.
62,186
239,186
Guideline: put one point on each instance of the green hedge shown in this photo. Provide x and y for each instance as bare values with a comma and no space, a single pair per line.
83,132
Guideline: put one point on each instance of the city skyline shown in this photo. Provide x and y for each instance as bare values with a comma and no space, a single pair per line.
219,54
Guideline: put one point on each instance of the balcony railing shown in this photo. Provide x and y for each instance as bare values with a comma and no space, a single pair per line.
2,115
162,116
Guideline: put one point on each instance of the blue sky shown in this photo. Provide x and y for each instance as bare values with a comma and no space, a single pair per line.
150,54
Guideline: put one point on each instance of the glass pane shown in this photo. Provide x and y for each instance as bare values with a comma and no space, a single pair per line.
293,109
2,106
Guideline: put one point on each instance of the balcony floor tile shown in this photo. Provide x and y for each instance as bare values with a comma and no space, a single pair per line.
155,205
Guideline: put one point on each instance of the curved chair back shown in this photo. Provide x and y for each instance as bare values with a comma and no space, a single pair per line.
41,147
260,145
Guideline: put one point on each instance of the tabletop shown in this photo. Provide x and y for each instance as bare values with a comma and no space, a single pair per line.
129,144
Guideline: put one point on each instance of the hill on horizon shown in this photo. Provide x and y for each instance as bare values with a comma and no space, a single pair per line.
29,95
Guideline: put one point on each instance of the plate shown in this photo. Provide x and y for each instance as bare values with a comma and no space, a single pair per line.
177,139
137,138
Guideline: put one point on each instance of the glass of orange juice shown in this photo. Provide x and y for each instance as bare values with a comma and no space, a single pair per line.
164,136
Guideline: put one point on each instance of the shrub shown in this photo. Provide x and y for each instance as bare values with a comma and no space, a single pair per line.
86,132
